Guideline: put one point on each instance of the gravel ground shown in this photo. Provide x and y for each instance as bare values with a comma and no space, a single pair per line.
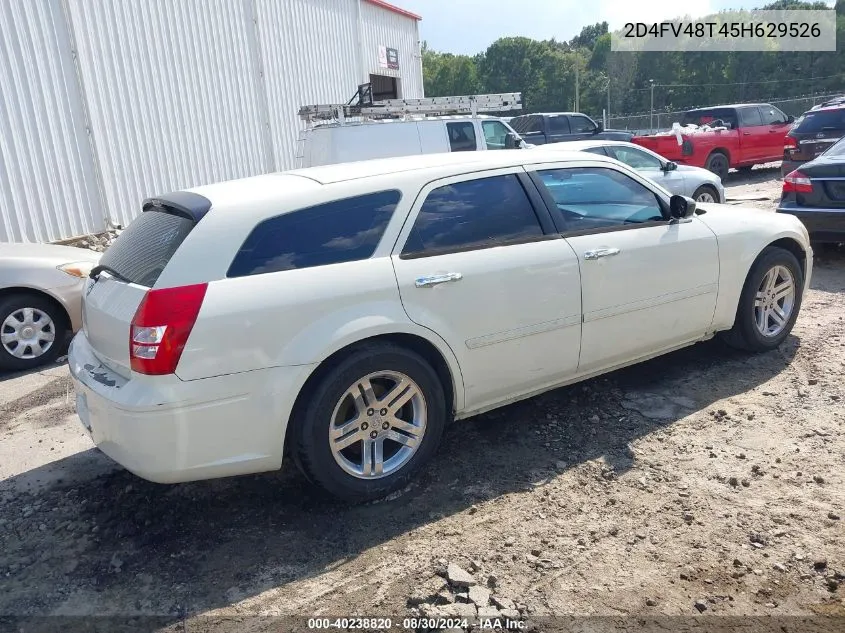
703,482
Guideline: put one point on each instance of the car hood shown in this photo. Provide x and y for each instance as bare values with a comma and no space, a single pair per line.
704,174
48,254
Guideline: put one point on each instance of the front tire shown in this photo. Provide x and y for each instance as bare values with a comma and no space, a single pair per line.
370,423
769,303
706,194
33,332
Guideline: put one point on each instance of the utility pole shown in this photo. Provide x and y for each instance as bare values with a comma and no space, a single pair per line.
651,119
577,92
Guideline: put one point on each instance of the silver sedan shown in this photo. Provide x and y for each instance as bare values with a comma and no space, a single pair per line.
699,184
40,300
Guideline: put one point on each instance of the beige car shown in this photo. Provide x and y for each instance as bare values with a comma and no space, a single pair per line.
40,301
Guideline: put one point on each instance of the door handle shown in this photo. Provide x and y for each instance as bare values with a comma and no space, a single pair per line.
433,280
746,133
601,252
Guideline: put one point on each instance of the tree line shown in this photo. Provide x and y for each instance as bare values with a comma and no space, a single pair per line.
546,72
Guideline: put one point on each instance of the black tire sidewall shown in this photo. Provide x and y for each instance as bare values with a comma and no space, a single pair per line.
311,422
751,336
16,302
718,156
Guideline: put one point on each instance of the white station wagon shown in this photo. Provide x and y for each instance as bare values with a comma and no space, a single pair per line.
342,315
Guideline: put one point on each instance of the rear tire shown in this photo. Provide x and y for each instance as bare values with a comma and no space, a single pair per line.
33,331
718,163
764,318
361,443
706,194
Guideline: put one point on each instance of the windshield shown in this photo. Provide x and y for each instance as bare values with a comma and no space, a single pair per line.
822,121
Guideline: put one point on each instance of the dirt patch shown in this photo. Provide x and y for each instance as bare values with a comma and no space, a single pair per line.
703,482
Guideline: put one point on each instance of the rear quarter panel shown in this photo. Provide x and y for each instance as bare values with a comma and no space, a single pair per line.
742,234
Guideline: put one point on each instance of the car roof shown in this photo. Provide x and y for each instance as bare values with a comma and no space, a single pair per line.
579,145
436,164
550,114
730,105
297,181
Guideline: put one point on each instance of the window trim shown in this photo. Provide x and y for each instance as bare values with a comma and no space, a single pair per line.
270,218
541,212
533,173
635,149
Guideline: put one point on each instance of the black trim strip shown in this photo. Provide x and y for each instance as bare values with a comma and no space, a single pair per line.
540,209
477,247
618,227
191,206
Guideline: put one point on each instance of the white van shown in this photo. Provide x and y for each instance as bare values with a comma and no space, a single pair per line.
331,143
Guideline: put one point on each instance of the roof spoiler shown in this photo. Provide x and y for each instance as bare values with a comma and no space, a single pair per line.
191,206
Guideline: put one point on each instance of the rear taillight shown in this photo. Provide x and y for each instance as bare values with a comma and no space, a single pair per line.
797,182
161,327
790,143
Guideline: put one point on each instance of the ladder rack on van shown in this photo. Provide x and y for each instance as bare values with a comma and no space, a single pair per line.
397,108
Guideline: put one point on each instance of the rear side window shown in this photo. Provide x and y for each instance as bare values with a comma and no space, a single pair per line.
559,124
822,121
141,252
340,231
750,117
526,124
703,117
471,215
462,137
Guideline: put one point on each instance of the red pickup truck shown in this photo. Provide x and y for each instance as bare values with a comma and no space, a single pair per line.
718,138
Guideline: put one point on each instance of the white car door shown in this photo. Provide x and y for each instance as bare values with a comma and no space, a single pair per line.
651,166
648,283
480,263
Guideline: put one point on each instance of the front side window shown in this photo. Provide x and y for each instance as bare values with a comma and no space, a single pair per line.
636,158
462,136
581,124
340,231
594,198
495,134
772,116
473,214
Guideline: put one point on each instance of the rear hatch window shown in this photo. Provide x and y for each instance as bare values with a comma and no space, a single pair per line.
141,252
129,268
822,121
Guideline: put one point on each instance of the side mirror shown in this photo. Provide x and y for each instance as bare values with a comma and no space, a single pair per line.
511,142
790,119
599,128
670,166
681,207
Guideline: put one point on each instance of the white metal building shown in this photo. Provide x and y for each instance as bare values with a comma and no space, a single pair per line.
106,102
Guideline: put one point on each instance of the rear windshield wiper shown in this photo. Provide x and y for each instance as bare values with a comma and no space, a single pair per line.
95,273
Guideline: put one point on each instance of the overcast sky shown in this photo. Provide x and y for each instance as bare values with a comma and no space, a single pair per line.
470,26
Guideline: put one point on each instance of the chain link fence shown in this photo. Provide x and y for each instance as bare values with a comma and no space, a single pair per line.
645,124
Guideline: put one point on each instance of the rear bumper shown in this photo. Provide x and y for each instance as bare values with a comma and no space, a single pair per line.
167,430
823,225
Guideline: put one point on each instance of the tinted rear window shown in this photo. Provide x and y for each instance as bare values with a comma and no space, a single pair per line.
141,252
339,231
701,117
822,121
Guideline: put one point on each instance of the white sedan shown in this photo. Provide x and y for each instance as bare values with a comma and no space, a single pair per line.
702,185
341,316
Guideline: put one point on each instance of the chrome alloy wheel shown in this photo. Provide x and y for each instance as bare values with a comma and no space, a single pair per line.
774,301
377,425
28,333
705,196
